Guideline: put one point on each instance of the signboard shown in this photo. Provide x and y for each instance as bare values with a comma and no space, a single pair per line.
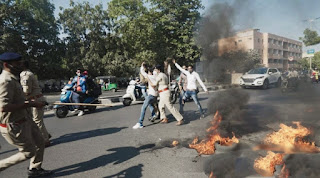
290,58
310,51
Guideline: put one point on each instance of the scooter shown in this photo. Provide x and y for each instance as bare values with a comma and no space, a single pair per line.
132,94
61,111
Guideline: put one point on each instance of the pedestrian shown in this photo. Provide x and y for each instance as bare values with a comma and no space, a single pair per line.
183,81
32,92
162,83
192,78
16,125
150,99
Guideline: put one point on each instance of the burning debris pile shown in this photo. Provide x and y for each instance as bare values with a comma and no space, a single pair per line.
288,140
207,146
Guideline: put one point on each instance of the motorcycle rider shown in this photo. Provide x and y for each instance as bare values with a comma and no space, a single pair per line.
292,77
192,78
150,99
79,82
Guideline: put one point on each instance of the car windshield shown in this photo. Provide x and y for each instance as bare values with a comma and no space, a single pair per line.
258,71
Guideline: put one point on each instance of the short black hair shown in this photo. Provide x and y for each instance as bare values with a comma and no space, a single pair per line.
159,67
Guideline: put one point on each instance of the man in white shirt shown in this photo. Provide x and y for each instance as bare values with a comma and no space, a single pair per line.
149,100
192,78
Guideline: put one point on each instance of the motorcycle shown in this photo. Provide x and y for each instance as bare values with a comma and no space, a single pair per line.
288,84
174,91
132,94
61,111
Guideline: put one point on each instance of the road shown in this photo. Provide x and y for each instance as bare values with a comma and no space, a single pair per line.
103,144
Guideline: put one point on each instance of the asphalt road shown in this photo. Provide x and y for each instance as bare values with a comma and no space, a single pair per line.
103,144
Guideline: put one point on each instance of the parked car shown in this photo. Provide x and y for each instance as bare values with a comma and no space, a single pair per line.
261,77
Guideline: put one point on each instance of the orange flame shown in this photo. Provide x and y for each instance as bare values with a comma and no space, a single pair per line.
289,140
207,146
265,166
284,172
211,175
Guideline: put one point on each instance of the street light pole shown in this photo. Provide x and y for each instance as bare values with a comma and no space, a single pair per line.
310,62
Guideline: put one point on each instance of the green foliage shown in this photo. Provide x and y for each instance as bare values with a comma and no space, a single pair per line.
106,42
310,37
28,27
315,62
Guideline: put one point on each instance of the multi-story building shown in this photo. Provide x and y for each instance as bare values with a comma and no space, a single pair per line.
275,51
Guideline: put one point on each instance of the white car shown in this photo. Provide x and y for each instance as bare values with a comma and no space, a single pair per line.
261,77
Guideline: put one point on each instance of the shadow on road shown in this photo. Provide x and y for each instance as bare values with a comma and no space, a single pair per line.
84,135
118,156
132,172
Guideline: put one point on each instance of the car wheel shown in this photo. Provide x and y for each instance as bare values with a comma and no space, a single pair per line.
265,84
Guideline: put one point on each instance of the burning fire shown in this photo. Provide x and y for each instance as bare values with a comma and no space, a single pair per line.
289,140
175,143
284,172
211,175
265,166
207,147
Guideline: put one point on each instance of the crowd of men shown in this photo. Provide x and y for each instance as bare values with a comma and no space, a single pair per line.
158,85
22,106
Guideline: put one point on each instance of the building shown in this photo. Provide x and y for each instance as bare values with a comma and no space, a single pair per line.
275,51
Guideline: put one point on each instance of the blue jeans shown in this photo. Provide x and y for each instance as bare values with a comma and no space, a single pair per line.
194,96
147,102
142,91
75,97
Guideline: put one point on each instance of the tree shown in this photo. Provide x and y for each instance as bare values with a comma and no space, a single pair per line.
28,27
310,37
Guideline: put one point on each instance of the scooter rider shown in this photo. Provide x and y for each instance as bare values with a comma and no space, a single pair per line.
150,99
79,82
192,78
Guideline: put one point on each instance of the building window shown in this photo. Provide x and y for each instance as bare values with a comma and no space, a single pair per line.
274,51
258,40
235,43
279,43
270,40
269,51
274,41
270,60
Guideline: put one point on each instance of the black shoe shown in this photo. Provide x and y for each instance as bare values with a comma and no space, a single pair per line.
38,173
49,136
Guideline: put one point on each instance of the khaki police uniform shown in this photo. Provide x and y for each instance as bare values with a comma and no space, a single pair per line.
33,92
17,127
163,87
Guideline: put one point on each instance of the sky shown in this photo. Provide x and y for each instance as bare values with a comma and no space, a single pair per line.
279,17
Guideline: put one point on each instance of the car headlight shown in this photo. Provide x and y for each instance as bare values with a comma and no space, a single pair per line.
260,77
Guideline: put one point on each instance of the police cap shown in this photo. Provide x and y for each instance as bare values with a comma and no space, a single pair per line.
8,56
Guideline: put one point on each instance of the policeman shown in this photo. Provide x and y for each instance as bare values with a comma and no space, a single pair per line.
33,92
16,125
162,83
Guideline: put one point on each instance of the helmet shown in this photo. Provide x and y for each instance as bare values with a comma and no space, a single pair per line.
85,72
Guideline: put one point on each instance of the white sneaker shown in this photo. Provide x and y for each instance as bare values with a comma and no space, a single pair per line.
81,113
137,126
75,111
